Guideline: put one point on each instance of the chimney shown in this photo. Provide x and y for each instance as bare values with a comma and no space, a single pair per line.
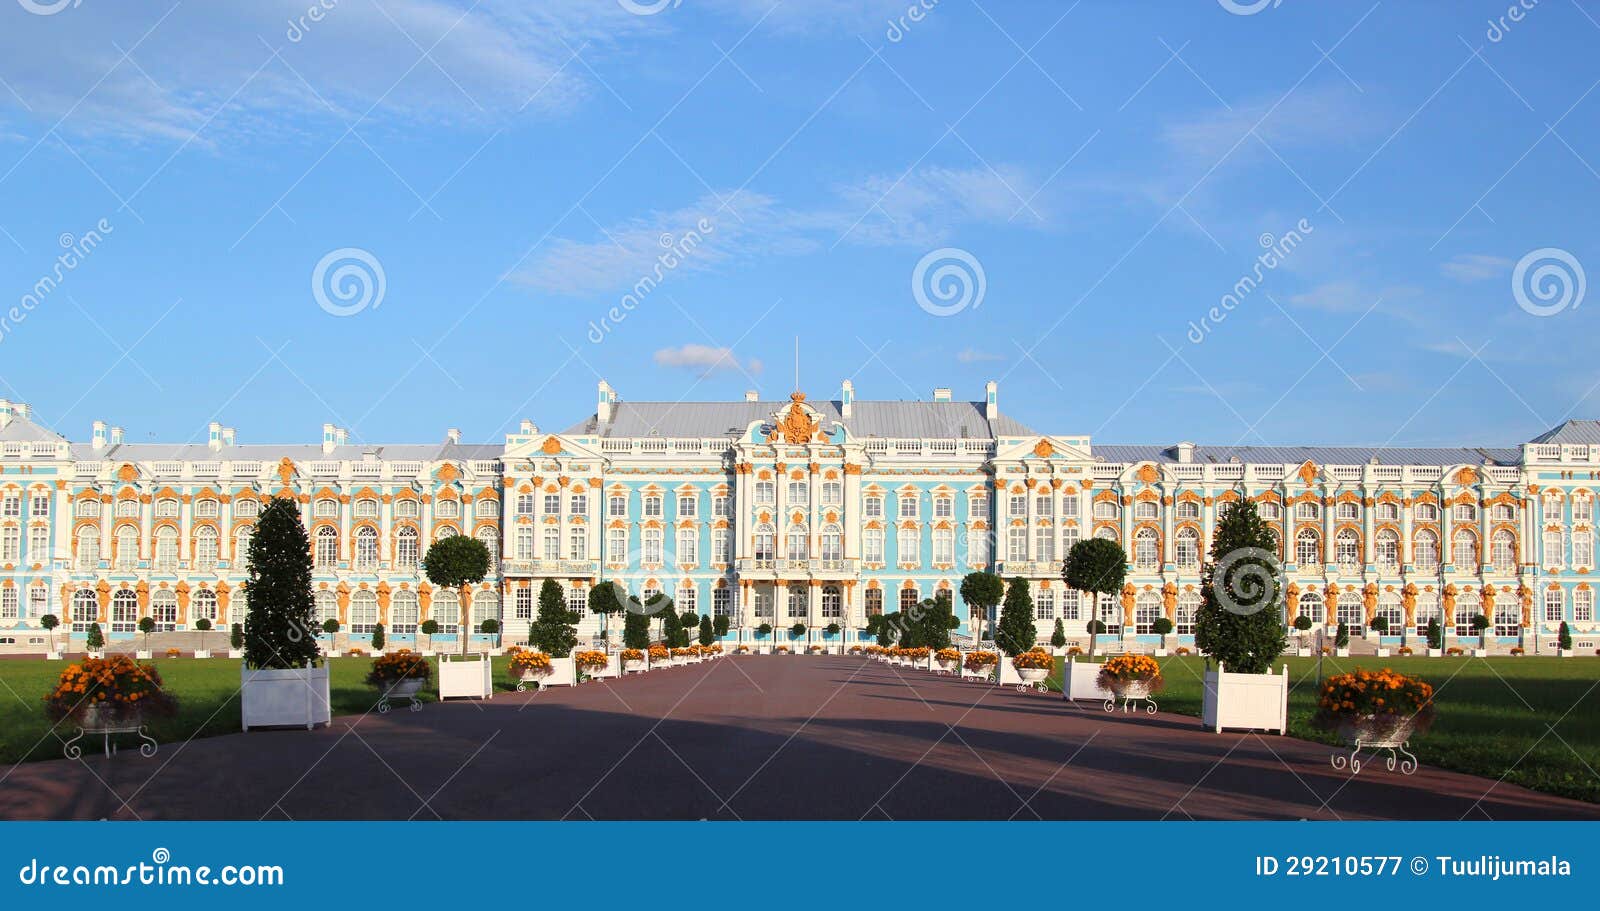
941,394
214,436
991,400
452,436
847,399
5,412
116,436
750,395
1185,452
341,436
23,411
98,437
604,400
329,439
227,436
528,428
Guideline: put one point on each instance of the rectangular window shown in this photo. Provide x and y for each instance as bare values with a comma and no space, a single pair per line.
618,506
722,602
722,507
524,603
552,504
41,506
908,506
578,504
652,507
688,506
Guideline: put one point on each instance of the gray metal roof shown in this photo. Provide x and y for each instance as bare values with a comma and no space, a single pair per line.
1321,455
1571,432
896,420
300,452
24,430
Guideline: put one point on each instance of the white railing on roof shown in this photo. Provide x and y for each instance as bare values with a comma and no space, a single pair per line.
615,446
325,469
366,469
1345,472
206,469
1386,472
405,469
1426,472
1228,472
86,469
1107,472
1270,472
245,469
485,466
1188,472
168,467
1505,474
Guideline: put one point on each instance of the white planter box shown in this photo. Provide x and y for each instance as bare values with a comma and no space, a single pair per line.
142,655
1480,653
1161,653
52,656
292,697
1302,653
235,653
470,678
428,653
202,654
1435,653
331,653
1083,681
1383,653
563,672
94,654
1245,701
1564,653
1341,653
610,670
1008,673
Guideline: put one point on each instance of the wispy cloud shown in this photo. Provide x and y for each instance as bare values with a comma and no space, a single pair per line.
705,360
1475,267
974,356
1311,116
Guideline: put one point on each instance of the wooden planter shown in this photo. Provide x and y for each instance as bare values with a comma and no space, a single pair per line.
470,677
291,697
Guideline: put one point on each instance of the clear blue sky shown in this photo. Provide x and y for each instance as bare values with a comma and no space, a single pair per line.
514,172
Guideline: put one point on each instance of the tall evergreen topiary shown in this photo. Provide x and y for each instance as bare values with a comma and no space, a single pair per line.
95,640
707,634
981,593
457,562
278,629
720,625
1564,637
934,624
1434,634
377,637
1097,566
889,628
1240,621
1016,633
1058,638
553,631
635,626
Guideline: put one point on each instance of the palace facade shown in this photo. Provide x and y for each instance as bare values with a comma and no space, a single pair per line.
794,511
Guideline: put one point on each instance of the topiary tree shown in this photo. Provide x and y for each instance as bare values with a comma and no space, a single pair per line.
491,627
377,637
1016,633
635,625
1564,637
764,629
1480,625
331,626
96,640
278,630
457,562
1435,634
1162,627
1100,567
708,635
147,625
236,637
720,625
1380,624
429,628
672,627
689,619
606,599
1240,621
981,593
552,631
1341,637
1058,636
204,626
49,622
1303,624
933,622
796,631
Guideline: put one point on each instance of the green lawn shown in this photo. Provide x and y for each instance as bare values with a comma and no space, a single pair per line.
208,703
1493,713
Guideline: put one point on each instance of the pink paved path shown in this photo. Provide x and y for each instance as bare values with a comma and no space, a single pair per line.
757,738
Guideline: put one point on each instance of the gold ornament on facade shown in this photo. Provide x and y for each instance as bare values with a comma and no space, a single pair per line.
1043,449
551,446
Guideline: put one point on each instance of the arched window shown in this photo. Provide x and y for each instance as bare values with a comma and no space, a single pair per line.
874,602
87,508
1425,512
1467,606
1507,617
407,553
447,509
166,508
486,507
763,606
167,550
1351,613
205,548
797,602
363,613
1312,608
1106,533
833,544
1389,610
445,531
1307,547
244,508
1464,549
832,602
85,610
1347,549
1105,509
1188,607
405,509
1307,511
238,607
909,597
1425,551
366,557
327,604
766,493
485,606
326,555
89,547
1187,551
1503,551
1147,549
1146,509
1583,605
1386,550
403,613
1555,605
1426,611
1348,511
127,546
366,508
799,492
1145,611
325,509
203,605
766,543
1188,509
163,610
490,539
124,611
241,546
795,545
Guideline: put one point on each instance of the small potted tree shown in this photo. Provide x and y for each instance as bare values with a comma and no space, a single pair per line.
330,628
49,622
1058,637
1380,625
1434,633
1162,626
491,628
553,633
204,626
1099,567
457,563
236,641
1341,641
797,632
147,625
1480,625
283,680
378,640
95,642
1564,641
428,628
1302,625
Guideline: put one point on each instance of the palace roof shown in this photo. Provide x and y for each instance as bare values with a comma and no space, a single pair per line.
886,419
1321,455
